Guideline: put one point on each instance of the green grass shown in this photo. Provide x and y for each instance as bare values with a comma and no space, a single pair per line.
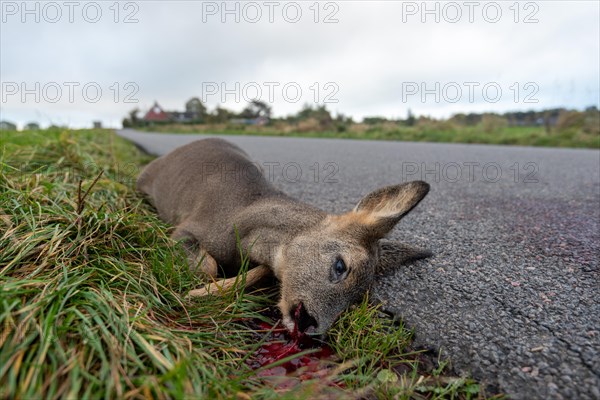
92,296
428,132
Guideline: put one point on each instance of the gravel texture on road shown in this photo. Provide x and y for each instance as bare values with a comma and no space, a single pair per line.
512,293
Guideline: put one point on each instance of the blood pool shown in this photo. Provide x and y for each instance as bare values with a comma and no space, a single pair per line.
282,344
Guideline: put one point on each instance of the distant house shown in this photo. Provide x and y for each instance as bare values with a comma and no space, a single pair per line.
156,114
194,112
32,126
258,121
182,117
7,126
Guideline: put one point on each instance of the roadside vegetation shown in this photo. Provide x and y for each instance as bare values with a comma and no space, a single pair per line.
550,128
424,132
92,297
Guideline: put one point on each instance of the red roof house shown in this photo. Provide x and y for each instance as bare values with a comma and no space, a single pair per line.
156,114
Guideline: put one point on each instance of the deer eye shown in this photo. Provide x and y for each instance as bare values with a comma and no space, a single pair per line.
338,270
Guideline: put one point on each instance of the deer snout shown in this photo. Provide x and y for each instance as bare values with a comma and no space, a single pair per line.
304,319
297,319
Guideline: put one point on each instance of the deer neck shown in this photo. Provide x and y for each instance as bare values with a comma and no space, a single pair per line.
269,224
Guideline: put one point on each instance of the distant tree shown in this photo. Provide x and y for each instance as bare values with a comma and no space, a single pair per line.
547,124
374,120
342,122
343,119
221,114
132,120
256,109
318,113
304,113
458,119
473,119
133,117
410,118
196,108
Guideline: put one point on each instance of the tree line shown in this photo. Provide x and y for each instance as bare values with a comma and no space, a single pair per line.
319,118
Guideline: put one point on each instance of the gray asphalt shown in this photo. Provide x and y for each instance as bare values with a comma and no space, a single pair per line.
512,293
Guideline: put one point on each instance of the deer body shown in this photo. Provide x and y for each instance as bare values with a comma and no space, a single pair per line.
210,190
187,187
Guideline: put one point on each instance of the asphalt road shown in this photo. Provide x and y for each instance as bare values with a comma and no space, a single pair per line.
512,293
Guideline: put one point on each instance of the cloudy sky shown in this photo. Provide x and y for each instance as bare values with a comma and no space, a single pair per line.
74,62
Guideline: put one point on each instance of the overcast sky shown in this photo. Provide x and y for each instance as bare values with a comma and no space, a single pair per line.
361,58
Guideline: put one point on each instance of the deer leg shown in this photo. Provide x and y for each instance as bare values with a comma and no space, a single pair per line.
198,258
222,286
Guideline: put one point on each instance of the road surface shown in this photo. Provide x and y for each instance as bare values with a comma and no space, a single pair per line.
512,294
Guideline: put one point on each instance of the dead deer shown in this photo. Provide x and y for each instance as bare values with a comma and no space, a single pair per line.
323,262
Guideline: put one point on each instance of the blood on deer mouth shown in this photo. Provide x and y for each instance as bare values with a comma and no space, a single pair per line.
303,321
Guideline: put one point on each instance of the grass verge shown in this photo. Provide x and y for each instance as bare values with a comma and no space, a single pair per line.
431,132
92,296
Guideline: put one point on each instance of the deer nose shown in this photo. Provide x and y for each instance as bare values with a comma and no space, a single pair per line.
305,320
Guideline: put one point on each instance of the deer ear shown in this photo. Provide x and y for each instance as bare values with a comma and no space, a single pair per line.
393,255
381,210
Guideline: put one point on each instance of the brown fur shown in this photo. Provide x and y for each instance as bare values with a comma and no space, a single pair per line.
211,191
